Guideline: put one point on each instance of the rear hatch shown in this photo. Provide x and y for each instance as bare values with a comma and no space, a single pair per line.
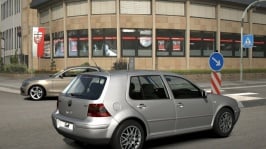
78,98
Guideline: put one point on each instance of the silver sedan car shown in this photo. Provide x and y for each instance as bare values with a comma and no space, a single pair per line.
126,108
39,87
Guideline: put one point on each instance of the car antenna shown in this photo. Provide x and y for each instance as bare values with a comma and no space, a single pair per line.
94,63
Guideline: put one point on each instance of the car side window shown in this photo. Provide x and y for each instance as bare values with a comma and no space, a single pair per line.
182,88
147,87
74,72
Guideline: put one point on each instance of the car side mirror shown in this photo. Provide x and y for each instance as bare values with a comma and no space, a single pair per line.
204,93
61,76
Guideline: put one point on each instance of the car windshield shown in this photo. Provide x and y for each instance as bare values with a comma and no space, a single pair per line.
86,87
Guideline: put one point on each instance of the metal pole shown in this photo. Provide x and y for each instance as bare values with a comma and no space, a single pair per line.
4,50
241,32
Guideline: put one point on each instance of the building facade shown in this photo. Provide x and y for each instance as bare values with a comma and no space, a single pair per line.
158,34
16,15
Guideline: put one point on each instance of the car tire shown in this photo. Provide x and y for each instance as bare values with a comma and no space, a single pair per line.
36,92
129,134
223,123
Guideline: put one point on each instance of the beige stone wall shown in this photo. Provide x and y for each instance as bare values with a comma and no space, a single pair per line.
203,24
199,63
136,21
80,22
173,22
103,21
57,26
233,27
259,29
171,63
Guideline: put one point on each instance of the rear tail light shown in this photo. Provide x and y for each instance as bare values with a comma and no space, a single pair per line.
97,110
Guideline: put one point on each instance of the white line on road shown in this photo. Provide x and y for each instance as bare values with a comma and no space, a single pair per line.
238,87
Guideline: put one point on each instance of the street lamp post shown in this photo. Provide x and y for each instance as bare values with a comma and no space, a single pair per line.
241,32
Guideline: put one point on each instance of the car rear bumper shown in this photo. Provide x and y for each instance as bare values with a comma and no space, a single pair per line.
84,131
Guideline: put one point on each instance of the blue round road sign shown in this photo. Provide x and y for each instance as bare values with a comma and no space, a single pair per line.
216,61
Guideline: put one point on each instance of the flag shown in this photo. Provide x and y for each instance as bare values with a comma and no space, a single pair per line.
38,41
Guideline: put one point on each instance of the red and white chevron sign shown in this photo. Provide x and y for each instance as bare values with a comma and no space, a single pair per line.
216,82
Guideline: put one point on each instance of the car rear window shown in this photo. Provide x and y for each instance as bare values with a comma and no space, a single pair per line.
86,87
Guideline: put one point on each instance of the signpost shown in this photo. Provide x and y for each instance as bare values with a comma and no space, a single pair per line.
248,41
216,63
241,32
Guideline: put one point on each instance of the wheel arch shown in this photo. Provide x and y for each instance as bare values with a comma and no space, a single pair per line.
219,109
44,89
145,129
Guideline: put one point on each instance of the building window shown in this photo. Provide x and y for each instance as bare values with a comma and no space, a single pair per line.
58,44
57,12
170,42
47,46
135,6
169,8
77,8
136,42
104,42
230,45
202,43
77,43
44,16
203,11
103,7
259,48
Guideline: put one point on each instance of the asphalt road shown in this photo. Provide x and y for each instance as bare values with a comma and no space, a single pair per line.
26,124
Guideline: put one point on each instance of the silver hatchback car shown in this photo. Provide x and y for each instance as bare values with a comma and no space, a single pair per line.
126,108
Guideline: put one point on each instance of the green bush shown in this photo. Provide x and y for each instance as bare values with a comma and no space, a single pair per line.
120,64
18,68
85,64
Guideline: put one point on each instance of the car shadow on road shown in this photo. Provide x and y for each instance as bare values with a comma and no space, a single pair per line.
178,139
156,143
44,99
81,145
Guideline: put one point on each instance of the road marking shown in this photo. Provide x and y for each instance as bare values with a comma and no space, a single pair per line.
243,96
239,87
9,90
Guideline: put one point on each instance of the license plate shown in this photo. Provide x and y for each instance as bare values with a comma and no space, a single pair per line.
62,124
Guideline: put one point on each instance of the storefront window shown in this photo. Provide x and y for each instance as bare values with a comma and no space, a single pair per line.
104,42
136,42
58,44
78,43
259,48
47,46
202,43
230,45
170,42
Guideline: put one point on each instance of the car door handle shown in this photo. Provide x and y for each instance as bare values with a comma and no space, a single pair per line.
180,105
141,106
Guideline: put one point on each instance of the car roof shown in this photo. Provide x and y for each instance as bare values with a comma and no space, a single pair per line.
132,73
93,67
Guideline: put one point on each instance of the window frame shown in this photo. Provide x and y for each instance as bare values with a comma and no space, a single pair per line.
141,45
164,43
202,40
233,40
160,89
79,36
104,42
187,95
